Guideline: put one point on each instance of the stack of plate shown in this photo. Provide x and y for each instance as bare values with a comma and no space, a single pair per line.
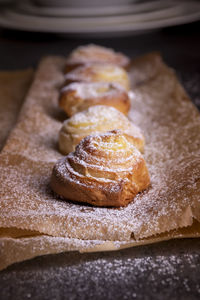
130,17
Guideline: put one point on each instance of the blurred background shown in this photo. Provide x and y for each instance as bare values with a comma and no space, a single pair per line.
132,26
30,29
97,18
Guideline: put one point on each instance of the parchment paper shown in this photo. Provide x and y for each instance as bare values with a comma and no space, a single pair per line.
34,221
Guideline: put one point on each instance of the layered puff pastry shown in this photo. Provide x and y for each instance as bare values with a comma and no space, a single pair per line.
97,119
95,54
77,97
96,72
105,170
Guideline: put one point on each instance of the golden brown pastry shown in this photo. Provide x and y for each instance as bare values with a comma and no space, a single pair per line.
105,170
95,54
99,72
97,119
77,97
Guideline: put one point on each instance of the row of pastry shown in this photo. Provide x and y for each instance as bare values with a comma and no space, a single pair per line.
103,165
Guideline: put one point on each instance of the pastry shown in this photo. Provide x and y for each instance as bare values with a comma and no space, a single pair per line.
77,97
97,119
105,170
95,54
95,72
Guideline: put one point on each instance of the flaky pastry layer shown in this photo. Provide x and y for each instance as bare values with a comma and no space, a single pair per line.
97,119
94,72
77,97
105,170
95,54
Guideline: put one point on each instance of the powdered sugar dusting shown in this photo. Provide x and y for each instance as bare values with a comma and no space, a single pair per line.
94,89
90,157
94,53
155,270
96,72
97,119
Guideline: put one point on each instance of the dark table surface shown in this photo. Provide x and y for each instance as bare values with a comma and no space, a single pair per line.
167,270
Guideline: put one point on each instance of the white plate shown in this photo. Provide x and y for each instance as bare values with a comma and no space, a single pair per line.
100,22
28,7
101,25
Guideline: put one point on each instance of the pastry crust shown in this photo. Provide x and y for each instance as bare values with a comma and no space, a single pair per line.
77,97
95,54
105,170
97,119
95,72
